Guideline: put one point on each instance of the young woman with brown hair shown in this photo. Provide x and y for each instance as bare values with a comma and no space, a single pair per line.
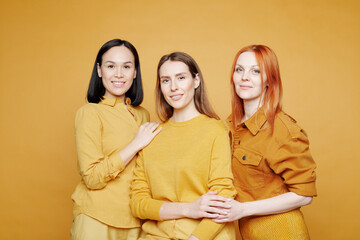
189,158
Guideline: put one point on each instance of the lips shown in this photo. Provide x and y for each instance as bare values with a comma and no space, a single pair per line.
245,87
176,97
118,83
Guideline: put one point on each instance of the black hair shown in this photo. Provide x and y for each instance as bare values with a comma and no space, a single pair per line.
96,88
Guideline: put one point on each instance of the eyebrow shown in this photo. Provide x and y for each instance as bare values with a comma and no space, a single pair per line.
176,75
122,63
250,66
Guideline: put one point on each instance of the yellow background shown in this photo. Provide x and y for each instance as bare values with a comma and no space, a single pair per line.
47,50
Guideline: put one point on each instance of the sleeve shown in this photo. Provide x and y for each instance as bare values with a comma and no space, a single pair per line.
144,115
142,204
220,180
95,168
294,163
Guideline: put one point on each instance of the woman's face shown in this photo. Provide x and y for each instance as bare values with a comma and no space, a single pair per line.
177,84
117,71
247,78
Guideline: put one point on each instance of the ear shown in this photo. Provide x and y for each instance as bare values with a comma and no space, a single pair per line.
197,81
135,74
98,70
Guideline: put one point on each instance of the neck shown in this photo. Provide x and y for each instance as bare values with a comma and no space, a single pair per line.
250,108
185,114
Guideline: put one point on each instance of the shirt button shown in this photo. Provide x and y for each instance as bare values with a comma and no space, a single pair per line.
243,125
244,157
239,142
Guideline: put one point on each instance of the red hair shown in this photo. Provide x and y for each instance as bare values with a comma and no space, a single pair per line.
268,64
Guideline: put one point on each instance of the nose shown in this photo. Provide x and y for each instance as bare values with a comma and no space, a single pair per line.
173,85
245,76
118,72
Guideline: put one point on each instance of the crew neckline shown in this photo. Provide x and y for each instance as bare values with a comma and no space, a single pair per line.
187,122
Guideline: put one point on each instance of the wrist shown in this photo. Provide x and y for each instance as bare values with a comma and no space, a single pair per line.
135,146
185,210
246,209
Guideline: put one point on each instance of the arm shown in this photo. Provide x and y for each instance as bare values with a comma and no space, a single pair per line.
282,203
142,204
145,207
207,206
293,162
143,137
220,180
95,167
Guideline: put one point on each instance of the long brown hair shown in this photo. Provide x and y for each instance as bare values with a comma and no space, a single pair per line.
202,104
268,63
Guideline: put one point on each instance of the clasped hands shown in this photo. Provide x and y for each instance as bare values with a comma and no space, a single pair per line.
219,209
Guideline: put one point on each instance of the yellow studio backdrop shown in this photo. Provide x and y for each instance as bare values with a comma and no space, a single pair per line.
47,50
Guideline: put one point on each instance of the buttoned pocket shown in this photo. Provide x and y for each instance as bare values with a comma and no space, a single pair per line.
246,168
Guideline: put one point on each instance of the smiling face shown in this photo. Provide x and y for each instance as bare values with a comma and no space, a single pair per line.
178,85
247,78
117,71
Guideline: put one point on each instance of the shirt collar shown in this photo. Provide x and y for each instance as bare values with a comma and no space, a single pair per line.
256,122
111,101
229,122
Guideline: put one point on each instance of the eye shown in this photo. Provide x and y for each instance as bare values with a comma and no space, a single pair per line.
181,77
164,80
127,66
238,69
256,71
110,66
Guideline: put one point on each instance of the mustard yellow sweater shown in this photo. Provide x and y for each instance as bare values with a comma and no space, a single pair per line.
185,161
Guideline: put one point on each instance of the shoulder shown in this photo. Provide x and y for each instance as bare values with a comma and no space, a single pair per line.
214,125
88,109
142,112
286,127
88,115
141,109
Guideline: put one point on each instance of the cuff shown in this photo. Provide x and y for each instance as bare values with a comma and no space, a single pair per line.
304,189
117,164
207,229
153,209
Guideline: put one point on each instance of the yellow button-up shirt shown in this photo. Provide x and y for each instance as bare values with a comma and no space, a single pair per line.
266,165
101,131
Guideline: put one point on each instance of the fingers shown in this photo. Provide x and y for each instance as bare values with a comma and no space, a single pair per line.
157,131
150,126
215,201
220,205
146,134
222,220
218,211
211,215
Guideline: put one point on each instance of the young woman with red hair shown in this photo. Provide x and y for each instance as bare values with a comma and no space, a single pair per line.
274,173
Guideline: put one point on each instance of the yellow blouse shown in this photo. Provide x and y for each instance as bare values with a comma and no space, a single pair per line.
101,131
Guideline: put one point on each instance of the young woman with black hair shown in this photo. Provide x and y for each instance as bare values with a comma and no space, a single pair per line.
109,132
